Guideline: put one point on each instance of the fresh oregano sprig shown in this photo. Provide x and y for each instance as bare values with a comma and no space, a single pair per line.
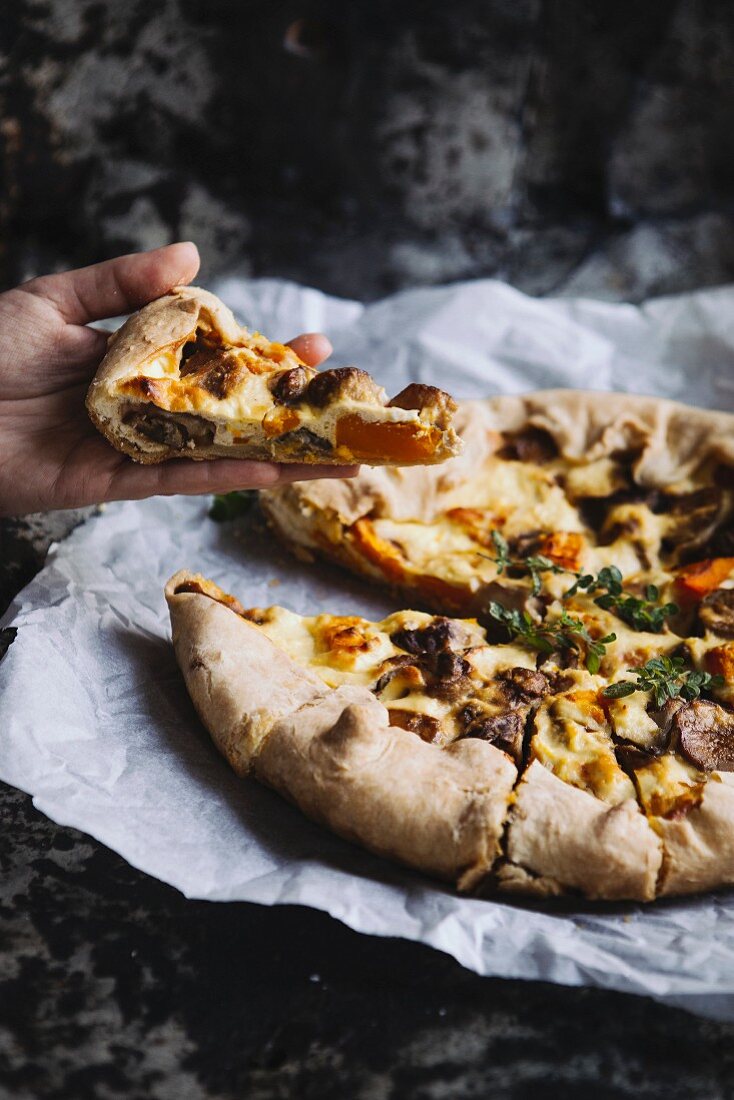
520,624
641,613
610,578
534,564
229,506
595,648
666,678
564,633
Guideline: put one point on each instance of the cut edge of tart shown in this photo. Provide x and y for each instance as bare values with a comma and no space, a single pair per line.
182,379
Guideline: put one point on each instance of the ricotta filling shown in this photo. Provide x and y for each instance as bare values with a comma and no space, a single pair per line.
250,414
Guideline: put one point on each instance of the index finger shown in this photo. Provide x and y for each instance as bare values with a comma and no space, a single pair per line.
312,348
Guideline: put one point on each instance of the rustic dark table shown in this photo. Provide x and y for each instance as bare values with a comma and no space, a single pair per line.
113,985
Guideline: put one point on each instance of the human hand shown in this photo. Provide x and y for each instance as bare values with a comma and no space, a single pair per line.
51,456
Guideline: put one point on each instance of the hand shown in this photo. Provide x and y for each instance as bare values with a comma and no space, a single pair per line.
51,456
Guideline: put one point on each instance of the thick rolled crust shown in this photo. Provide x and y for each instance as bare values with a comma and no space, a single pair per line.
164,324
333,752
673,440
699,848
231,672
167,322
450,812
563,835
438,810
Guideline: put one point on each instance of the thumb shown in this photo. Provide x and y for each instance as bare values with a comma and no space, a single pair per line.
117,286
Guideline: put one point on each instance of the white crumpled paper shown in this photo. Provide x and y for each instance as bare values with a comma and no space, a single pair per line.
97,726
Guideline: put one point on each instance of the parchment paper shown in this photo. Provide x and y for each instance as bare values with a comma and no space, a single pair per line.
95,722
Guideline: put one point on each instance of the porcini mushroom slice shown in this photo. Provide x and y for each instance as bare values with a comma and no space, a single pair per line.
717,612
341,383
706,735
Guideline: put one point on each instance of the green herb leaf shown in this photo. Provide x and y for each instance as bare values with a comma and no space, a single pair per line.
534,565
620,689
503,552
564,633
640,613
229,506
665,678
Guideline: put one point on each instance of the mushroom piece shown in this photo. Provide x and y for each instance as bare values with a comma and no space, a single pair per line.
289,387
426,726
716,612
525,685
158,427
395,667
340,383
705,735
722,544
426,399
441,634
445,669
634,751
448,674
529,445
506,731
695,519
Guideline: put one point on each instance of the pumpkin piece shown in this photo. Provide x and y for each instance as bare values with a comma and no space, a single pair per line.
394,441
377,550
280,420
701,577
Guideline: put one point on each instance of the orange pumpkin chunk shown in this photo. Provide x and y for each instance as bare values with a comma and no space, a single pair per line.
400,442
720,661
380,552
701,577
279,421
564,548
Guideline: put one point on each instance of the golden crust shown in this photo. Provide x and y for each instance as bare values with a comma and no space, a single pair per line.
562,834
228,666
699,847
449,811
149,409
333,752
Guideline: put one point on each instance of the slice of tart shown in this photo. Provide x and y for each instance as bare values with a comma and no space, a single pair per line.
181,379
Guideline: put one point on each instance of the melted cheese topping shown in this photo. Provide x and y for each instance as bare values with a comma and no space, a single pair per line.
573,739
669,786
341,649
631,721
350,650
248,405
572,733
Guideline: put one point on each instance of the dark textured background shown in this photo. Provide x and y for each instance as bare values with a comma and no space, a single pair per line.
365,145
568,147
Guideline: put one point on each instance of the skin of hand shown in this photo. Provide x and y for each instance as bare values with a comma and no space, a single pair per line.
51,455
